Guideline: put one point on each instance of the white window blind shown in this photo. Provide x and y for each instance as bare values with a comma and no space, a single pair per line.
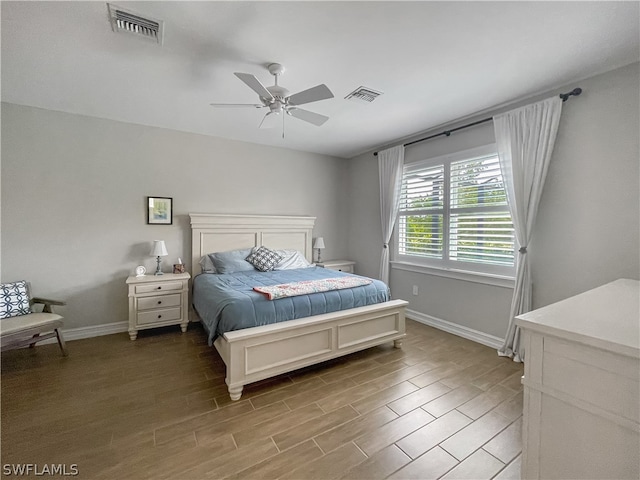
421,212
454,214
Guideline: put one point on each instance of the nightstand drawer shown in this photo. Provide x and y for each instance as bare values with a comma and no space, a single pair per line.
162,287
345,268
158,316
160,301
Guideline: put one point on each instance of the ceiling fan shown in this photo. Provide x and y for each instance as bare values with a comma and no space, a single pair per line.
278,100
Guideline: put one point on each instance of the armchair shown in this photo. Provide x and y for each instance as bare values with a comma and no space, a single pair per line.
20,326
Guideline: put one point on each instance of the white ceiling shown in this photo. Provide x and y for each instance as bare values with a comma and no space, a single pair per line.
434,61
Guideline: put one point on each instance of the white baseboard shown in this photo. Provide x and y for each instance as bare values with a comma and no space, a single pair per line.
79,333
460,330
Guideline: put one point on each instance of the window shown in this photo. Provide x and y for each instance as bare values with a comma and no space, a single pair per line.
454,214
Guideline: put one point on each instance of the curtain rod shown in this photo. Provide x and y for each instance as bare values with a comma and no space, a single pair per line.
564,96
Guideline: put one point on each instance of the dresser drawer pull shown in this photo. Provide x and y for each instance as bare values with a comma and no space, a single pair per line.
159,288
159,316
159,302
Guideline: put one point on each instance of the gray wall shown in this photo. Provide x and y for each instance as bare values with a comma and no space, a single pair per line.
73,200
588,226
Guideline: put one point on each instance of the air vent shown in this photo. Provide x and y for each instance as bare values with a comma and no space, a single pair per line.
123,20
364,94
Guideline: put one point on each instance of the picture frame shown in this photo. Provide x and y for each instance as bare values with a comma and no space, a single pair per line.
159,210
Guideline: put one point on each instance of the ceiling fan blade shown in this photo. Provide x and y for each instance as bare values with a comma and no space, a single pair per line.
319,92
254,84
237,105
308,116
270,120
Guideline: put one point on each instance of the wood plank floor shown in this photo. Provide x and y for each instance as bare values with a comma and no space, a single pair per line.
442,407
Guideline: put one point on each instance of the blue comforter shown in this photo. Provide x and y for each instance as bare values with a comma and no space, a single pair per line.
227,302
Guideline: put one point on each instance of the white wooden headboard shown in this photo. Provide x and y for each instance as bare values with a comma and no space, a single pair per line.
212,232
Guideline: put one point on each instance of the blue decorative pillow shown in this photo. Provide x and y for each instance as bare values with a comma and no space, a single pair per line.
264,259
231,262
14,299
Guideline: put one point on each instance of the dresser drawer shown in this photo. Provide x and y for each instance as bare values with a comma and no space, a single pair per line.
604,379
159,287
159,301
158,316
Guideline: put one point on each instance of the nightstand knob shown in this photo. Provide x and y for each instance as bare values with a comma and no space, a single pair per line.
159,316
159,288
159,302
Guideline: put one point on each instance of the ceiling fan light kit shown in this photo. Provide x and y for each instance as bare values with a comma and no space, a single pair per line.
278,99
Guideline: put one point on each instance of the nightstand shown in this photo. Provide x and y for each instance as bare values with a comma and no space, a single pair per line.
158,300
346,266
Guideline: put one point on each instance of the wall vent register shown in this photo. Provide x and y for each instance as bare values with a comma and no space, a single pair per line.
123,20
364,94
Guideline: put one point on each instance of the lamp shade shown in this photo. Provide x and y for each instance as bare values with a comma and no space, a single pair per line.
319,243
159,249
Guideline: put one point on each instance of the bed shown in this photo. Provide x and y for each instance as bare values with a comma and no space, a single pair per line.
259,352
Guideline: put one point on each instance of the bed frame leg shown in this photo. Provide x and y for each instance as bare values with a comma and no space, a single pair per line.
397,343
235,392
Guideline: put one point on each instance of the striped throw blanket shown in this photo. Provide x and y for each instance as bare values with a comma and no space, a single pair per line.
273,292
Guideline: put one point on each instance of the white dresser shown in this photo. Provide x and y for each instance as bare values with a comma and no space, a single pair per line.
581,386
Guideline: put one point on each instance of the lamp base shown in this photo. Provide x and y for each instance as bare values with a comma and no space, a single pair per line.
158,271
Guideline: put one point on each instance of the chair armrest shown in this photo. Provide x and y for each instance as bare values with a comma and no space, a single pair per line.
47,303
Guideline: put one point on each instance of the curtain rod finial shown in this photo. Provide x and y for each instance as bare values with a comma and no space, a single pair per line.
575,92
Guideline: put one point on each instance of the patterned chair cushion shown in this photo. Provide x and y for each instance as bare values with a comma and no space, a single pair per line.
14,299
264,259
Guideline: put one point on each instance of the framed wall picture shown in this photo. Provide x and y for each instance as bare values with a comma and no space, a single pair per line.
159,210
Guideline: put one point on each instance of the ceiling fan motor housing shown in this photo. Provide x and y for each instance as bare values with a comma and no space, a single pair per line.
280,93
279,100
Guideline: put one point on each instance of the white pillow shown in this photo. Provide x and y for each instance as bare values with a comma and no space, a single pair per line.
206,265
292,259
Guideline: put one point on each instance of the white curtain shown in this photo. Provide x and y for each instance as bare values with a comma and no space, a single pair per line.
525,139
390,164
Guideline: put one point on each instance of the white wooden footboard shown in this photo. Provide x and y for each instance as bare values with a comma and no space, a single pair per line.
262,352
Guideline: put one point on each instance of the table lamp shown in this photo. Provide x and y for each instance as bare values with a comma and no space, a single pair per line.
319,244
158,250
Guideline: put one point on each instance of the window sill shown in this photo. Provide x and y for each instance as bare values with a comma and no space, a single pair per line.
467,276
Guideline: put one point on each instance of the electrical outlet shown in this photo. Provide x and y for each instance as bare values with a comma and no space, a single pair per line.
415,289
